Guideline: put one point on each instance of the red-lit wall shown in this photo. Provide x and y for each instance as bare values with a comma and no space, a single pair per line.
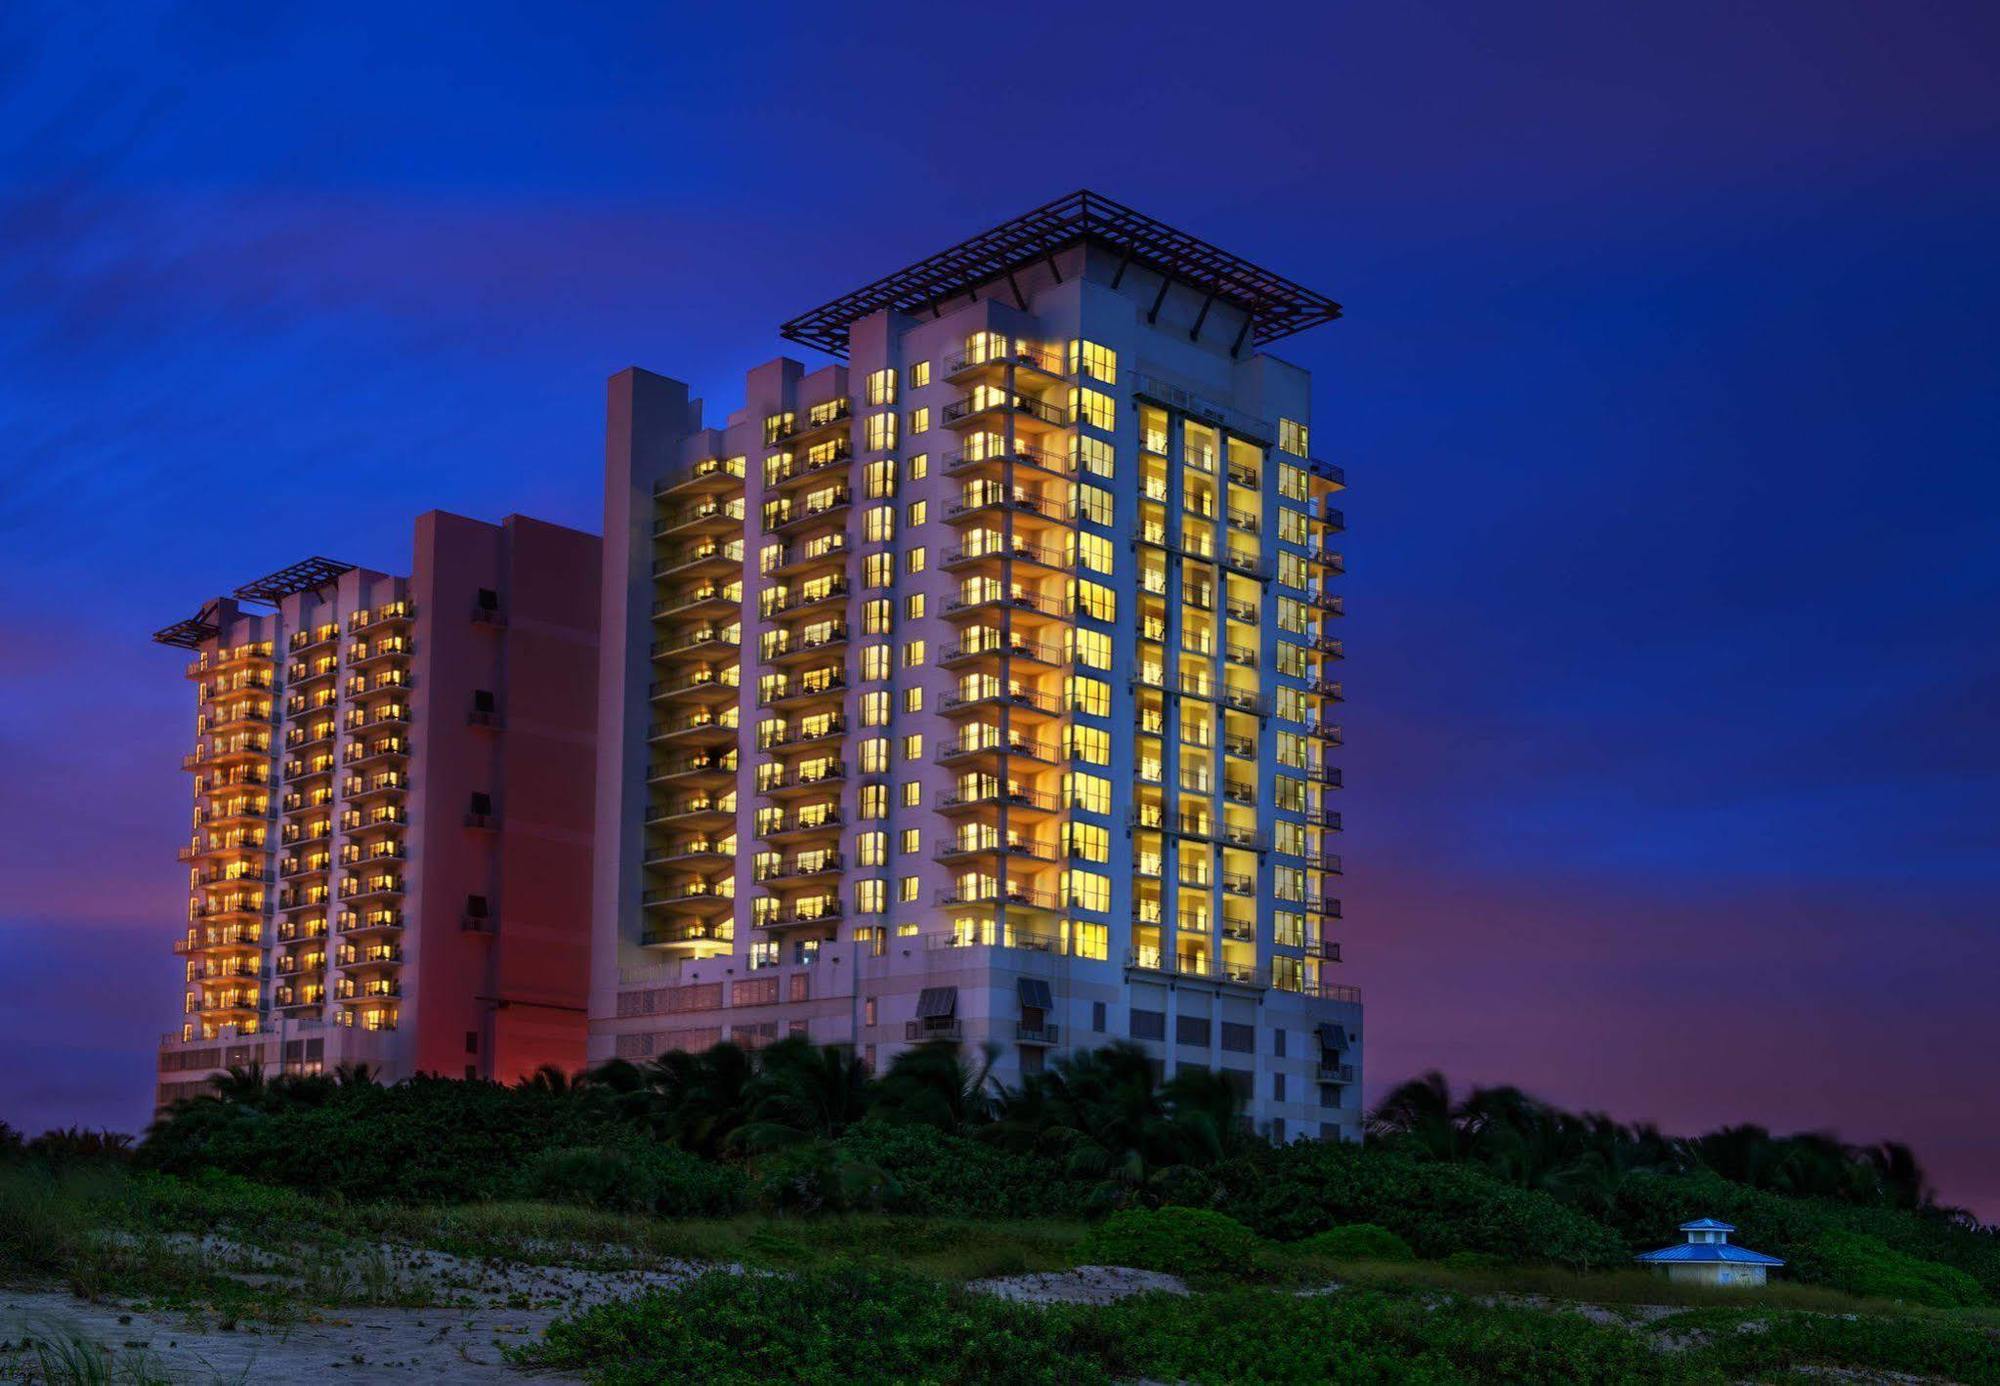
501,1001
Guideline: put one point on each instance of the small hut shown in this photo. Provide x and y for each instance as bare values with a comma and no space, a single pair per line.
1708,1258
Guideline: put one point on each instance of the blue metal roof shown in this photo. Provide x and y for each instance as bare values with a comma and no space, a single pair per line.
1708,1253
1706,1225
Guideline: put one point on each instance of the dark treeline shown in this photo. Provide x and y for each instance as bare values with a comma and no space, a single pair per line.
795,1128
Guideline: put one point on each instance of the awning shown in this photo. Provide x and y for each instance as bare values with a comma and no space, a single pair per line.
1333,1037
1035,994
937,1003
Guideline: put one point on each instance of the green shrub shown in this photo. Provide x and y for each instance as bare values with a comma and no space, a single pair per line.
934,1174
1474,1261
849,1323
1869,1266
633,1177
1183,1241
1358,1241
1756,1345
1291,1192
819,1177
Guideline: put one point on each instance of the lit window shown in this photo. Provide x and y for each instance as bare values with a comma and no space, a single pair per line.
920,420
882,431
916,559
882,386
913,606
918,511
1292,438
878,526
875,755
920,466
1099,362
920,374
878,569
1093,407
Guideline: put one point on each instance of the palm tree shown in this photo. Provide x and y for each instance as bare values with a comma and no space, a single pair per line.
243,1085
935,1085
702,1097
1417,1115
802,1092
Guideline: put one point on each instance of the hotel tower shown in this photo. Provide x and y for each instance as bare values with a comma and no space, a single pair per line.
389,857
982,684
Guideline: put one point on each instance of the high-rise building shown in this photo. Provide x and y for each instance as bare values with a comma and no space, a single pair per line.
981,686
389,861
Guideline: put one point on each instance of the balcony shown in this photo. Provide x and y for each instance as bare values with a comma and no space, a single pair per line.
694,894
691,560
701,937
995,895
992,649
702,638
717,475
1018,848
380,921
1339,1075
362,654
787,827
820,418
705,685
711,516
791,739
1020,551
777,604
785,519
805,467
933,1031
825,550
1024,1033
707,599
1014,699
990,406
391,613
799,869
704,728
780,781
796,696
999,456
802,915
699,812
710,768
1015,800
994,746
991,361
691,852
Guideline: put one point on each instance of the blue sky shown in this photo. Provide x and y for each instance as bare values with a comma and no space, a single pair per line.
1666,396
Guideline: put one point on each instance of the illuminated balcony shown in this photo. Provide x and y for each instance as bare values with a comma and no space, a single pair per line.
992,647
821,552
688,852
990,362
801,647
988,601
236,717
691,895
695,813
709,476
363,755
816,913
793,781
710,641
382,784
707,769
397,613
354,990
792,870
802,824
990,556
795,738
981,741
705,728
995,895
991,845
703,686
367,888
691,938
373,957
805,691
367,654
710,515
993,460
985,499
806,467
962,799
987,407
778,604
815,509
827,418
702,559
381,922
702,599
1016,700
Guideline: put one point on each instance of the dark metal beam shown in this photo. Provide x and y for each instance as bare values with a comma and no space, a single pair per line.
1153,313
1241,332
1194,333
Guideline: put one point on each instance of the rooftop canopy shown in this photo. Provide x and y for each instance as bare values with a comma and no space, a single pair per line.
1275,306
1707,1251
1706,1225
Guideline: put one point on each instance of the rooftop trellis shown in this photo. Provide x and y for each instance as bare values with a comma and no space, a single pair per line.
1274,306
302,576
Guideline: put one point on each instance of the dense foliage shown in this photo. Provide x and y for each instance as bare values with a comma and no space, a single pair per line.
799,1129
1180,1241
868,1323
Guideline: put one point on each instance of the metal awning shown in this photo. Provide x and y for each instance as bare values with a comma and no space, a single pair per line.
1333,1036
937,1003
1035,994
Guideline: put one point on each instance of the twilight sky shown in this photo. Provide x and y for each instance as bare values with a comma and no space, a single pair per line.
1667,397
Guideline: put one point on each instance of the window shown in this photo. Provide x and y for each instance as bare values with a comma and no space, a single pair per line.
1093,455
882,386
873,802
878,478
1149,1025
917,558
882,431
1091,793
1292,483
878,569
1088,842
1089,696
913,795
777,426
920,466
878,526
907,889
920,420
913,607
875,708
1092,745
877,614
874,662
920,374
872,849
913,700
1191,1029
1093,648
1093,503
1095,600
913,747
875,755
1239,1039
871,897
913,842
913,654
1292,438
1099,362
919,511
1093,407
1094,551
1097,1016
